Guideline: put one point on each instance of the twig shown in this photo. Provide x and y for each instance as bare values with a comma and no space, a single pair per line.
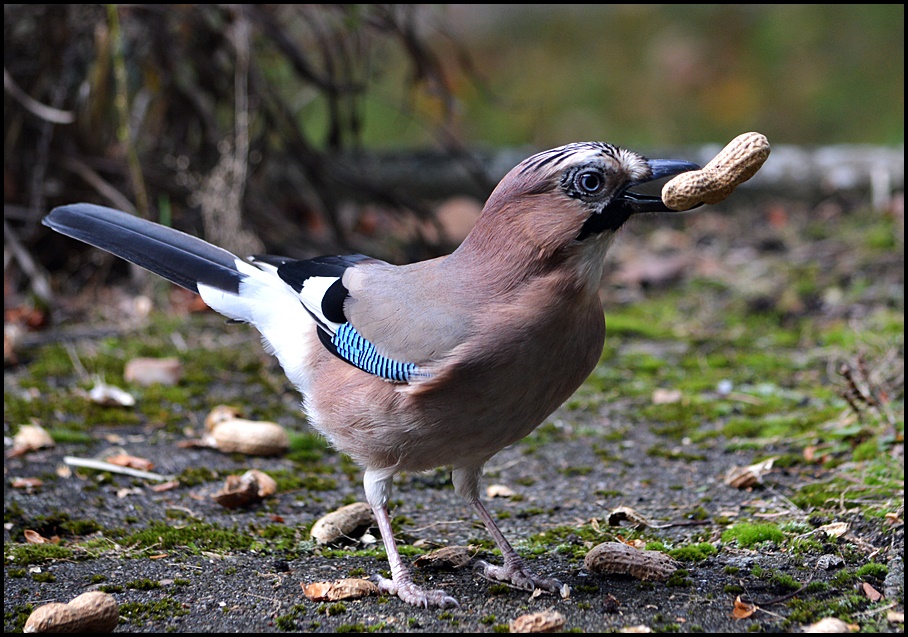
36,278
88,463
33,106
787,596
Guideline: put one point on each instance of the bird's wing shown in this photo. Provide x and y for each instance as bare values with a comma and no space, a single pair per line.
376,316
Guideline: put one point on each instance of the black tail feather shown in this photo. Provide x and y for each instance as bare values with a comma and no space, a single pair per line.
178,257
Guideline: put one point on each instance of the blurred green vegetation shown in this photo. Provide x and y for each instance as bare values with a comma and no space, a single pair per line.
667,75
217,118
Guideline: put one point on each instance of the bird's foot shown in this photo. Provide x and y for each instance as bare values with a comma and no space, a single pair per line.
415,595
516,574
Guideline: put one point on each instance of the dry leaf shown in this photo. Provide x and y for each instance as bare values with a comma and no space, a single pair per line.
743,610
151,371
29,438
548,621
33,537
623,513
252,486
744,477
125,460
26,483
342,523
836,529
351,588
638,629
165,486
110,396
871,593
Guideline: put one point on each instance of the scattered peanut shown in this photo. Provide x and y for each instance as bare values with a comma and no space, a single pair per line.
548,621
252,437
220,413
92,612
621,559
351,588
341,523
830,625
445,558
735,164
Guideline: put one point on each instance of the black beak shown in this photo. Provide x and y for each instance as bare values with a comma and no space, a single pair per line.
634,202
628,202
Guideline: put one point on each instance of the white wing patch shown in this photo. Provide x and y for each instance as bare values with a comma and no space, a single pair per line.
313,291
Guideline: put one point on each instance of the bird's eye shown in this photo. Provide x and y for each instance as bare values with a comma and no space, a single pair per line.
589,182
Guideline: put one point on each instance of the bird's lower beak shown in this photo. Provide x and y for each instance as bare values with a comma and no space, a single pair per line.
634,202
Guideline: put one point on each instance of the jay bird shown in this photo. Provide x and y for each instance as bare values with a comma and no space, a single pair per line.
438,363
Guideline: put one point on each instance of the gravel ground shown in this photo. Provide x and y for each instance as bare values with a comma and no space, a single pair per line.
564,483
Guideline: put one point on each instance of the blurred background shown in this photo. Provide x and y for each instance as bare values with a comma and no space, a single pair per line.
306,129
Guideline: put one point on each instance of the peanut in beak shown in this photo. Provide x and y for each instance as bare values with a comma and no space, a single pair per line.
735,164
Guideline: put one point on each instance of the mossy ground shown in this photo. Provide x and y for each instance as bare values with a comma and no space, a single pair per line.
735,360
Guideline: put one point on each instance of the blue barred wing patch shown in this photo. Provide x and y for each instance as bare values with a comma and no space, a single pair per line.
350,345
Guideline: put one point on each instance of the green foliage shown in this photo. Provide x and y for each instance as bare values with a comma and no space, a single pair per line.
749,534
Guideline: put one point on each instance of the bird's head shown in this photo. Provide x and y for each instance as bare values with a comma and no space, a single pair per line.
570,195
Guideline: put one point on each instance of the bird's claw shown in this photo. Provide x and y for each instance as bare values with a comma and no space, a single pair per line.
415,595
517,576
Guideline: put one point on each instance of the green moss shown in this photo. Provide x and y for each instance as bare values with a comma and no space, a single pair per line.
194,537
749,534
872,570
144,584
195,476
27,554
694,552
679,579
294,480
307,448
785,581
633,321
141,613
332,609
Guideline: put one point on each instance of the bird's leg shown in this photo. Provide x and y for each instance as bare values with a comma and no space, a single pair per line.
400,584
513,571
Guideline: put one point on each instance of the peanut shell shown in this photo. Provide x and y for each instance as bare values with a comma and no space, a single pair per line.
341,523
621,559
254,438
92,612
735,164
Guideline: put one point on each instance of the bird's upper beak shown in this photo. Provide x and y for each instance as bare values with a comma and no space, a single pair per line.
634,202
